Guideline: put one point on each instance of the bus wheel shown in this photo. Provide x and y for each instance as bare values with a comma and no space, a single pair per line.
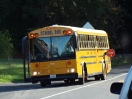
84,77
48,82
33,82
72,81
66,81
43,83
103,76
97,77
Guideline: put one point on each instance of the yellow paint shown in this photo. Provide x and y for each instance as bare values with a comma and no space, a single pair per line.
94,60
49,31
53,71
53,67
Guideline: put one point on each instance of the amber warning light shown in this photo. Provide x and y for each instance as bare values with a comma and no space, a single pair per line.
110,53
67,32
34,35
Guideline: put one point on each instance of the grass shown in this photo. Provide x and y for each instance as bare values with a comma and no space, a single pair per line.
121,60
14,72
11,73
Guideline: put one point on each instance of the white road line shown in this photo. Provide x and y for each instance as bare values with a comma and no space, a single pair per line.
82,87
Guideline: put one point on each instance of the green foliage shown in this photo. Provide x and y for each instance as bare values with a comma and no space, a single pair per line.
11,73
120,60
6,47
22,15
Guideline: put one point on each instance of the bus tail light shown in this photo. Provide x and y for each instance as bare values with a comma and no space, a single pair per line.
68,62
36,65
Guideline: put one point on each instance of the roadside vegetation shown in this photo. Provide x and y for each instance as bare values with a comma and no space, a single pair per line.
11,72
120,60
14,72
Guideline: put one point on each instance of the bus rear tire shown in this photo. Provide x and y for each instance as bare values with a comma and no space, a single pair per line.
43,83
72,81
97,77
33,82
66,81
103,76
81,81
48,82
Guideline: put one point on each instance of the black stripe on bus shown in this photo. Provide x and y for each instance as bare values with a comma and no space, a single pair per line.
96,73
89,63
100,55
101,61
87,56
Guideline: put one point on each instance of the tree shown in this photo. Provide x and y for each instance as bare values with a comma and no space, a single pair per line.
6,47
21,16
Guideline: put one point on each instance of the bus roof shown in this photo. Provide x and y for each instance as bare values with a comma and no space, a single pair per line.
75,29
82,29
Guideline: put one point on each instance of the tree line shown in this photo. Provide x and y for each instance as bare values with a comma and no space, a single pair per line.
19,17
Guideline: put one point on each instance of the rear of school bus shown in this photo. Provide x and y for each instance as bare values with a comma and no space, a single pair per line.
52,55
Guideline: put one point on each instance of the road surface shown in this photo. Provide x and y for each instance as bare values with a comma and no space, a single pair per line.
59,90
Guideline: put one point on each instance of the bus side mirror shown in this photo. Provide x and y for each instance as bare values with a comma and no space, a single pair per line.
116,87
24,44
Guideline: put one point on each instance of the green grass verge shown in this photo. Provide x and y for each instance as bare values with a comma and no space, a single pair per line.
121,60
11,73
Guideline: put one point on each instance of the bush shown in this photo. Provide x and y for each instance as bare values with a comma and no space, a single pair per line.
121,59
6,47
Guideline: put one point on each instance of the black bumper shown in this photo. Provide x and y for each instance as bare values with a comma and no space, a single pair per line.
58,77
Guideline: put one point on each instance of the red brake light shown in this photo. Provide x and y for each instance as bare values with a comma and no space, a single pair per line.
36,65
31,35
69,32
68,62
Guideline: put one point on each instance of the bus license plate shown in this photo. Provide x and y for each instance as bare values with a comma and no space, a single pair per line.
52,76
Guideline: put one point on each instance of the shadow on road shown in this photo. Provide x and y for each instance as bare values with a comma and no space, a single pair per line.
30,86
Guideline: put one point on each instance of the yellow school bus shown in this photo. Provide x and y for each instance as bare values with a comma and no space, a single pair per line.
66,53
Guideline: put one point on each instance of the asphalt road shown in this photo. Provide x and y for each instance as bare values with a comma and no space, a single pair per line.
59,90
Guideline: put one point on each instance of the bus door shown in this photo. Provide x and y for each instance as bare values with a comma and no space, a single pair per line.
25,52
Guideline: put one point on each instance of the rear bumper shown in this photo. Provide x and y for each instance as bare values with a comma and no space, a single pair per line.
58,77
